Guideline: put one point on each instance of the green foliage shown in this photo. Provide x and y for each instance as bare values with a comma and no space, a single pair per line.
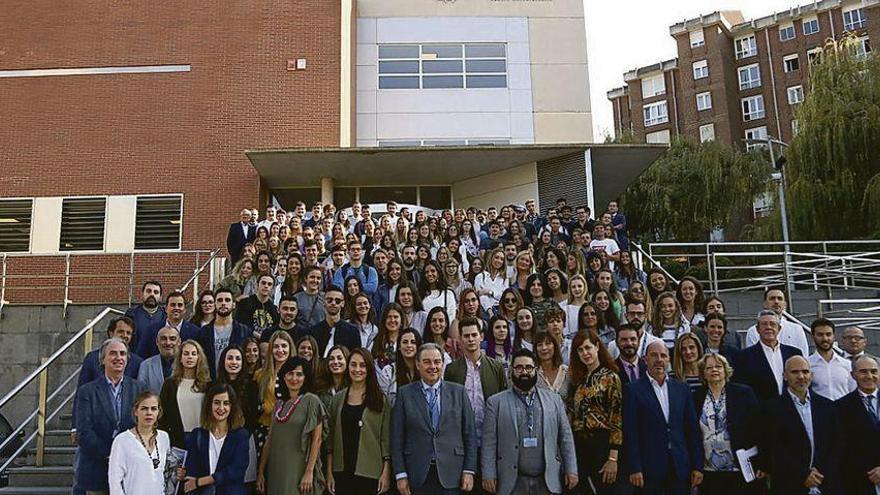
693,189
833,168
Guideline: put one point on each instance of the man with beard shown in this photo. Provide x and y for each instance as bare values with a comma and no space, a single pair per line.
288,312
409,264
223,331
148,317
510,252
630,366
175,311
831,371
635,318
527,439
310,300
156,369
333,330
257,311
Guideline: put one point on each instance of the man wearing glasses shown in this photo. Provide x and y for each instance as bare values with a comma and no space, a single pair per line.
334,330
854,343
636,318
528,446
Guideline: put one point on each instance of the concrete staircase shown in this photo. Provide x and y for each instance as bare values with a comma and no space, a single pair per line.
55,477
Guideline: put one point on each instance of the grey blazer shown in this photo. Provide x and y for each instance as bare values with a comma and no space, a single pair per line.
412,437
502,441
151,374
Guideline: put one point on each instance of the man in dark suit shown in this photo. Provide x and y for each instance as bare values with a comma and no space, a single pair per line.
760,366
663,441
240,233
333,330
104,410
433,443
800,446
859,413
223,331
630,366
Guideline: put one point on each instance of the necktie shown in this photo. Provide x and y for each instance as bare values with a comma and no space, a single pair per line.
869,402
632,372
434,408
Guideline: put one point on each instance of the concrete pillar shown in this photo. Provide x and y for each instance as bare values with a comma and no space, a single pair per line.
327,190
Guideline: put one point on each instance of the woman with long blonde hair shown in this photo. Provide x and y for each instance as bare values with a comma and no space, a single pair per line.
280,350
182,393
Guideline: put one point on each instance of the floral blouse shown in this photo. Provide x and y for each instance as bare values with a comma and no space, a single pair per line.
597,404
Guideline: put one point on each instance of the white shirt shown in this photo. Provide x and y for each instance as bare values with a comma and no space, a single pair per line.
774,358
805,411
609,246
131,469
215,445
662,393
444,299
831,379
791,334
485,281
874,394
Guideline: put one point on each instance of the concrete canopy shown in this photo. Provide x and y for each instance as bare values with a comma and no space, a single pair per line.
614,166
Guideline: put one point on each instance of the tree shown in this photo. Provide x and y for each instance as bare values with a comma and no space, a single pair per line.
693,189
833,164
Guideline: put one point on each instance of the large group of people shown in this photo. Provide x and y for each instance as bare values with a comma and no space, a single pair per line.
497,351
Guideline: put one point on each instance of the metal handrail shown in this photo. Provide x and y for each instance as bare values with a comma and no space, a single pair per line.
198,271
654,261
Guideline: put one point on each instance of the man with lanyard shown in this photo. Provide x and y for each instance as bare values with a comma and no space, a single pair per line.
333,330
366,274
148,316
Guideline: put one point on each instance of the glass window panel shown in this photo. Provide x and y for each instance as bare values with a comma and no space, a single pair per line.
485,51
487,81
434,82
436,197
402,67
404,82
343,197
440,66
401,194
399,51
441,51
486,66
287,198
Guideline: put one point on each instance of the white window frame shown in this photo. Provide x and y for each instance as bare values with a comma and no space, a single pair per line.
759,132
863,48
810,21
788,58
659,137
697,38
653,118
857,19
795,94
650,88
795,127
701,69
426,56
704,101
756,109
785,29
707,133
747,46
751,82
814,51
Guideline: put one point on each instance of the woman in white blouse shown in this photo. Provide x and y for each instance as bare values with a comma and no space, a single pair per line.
491,283
138,455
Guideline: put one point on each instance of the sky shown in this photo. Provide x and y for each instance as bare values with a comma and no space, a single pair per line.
645,24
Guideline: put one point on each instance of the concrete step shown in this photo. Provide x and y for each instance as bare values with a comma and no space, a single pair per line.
32,476
35,490
53,456
58,438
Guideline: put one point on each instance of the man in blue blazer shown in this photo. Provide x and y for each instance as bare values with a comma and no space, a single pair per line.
240,233
433,441
104,410
156,369
859,414
760,366
800,445
223,332
662,440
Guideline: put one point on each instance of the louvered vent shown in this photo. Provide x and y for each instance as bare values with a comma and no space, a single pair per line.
82,224
158,222
15,225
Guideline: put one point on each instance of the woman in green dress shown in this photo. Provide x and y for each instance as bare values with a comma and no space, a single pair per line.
290,464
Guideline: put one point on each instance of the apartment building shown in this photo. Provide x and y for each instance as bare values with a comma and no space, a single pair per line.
737,79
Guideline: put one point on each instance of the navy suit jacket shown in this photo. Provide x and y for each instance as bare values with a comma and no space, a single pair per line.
235,240
95,426
649,440
346,334
231,464
621,370
751,368
206,340
861,435
91,371
743,411
785,447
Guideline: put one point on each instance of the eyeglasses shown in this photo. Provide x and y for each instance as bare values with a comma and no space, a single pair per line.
523,368
854,337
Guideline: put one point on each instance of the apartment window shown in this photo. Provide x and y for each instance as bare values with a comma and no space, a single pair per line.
854,19
82,224
791,63
158,222
786,32
704,101
697,38
659,137
707,133
756,133
863,47
746,47
15,225
653,86
701,69
443,66
753,108
655,113
795,127
795,95
749,77
811,26
814,55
